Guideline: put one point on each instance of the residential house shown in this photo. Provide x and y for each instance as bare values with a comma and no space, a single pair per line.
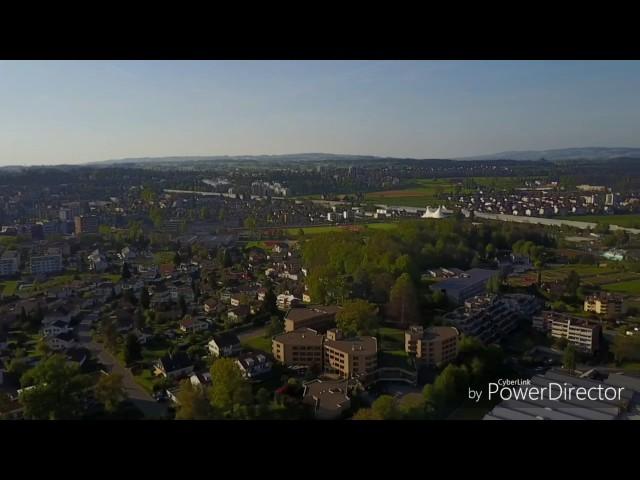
224,345
190,324
238,314
254,365
62,341
174,366
55,328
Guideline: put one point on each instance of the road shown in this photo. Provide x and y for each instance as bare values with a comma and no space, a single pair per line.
136,394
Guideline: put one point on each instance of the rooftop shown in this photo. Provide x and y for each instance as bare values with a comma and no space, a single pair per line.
301,336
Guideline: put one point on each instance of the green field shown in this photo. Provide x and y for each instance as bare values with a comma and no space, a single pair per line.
8,288
419,193
629,221
258,343
631,287
339,228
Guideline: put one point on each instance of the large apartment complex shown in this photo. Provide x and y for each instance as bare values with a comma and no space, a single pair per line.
584,334
490,317
607,304
351,357
346,357
302,347
434,345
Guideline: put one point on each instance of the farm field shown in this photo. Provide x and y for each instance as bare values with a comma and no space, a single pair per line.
629,221
631,287
419,194
589,274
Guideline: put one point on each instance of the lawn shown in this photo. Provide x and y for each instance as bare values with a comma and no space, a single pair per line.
629,220
9,288
395,358
146,380
393,337
631,287
258,343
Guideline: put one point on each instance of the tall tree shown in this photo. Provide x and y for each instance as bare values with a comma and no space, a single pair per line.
132,349
229,388
569,358
58,393
110,391
144,298
357,317
192,402
403,303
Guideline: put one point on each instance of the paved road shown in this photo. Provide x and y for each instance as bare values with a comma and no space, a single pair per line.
136,394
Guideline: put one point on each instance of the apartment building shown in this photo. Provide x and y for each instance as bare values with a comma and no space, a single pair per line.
584,334
86,224
487,317
606,304
46,264
432,346
303,347
318,317
9,263
353,357
465,285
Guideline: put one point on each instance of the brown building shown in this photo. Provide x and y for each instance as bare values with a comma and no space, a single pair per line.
317,317
329,399
350,357
606,304
433,345
86,224
302,347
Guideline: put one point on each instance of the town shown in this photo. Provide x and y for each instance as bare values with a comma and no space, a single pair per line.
316,288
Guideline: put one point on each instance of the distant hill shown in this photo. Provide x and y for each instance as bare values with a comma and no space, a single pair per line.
585,153
312,157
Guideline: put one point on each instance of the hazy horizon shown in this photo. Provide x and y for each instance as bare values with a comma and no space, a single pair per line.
71,112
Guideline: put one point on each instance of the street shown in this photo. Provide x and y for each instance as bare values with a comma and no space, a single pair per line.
136,394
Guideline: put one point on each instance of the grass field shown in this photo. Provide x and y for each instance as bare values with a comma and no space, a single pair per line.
420,193
629,221
258,343
8,288
339,228
631,287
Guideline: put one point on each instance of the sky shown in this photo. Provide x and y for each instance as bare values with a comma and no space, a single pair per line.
54,112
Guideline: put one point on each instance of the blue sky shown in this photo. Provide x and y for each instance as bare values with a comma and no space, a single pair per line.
80,111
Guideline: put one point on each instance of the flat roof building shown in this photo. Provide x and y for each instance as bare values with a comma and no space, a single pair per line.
329,399
584,334
351,357
607,304
317,317
465,285
433,345
302,347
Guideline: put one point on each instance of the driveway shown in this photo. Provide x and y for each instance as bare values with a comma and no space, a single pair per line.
136,394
